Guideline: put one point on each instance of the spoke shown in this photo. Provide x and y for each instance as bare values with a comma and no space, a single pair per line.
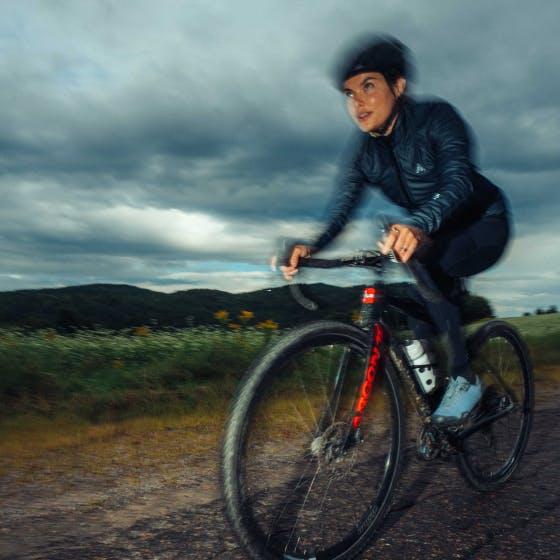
287,503
497,378
302,419
337,386
301,508
328,407
508,378
321,508
325,383
340,377
308,402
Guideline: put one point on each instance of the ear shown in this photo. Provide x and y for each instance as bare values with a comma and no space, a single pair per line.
400,86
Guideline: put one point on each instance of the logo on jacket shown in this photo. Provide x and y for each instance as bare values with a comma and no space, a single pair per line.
419,169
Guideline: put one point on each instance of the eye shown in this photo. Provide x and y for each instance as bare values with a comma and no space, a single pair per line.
369,86
348,93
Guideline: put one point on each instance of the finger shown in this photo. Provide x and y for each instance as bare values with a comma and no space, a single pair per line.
389,241
294,258
406,237
288,272
410,250
409,246
401,240
273,263
402,244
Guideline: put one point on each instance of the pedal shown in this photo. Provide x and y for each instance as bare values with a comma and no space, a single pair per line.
427,443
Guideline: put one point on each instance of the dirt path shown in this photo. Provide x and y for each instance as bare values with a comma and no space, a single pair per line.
175,511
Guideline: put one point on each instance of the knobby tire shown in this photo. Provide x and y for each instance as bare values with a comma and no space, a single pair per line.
292,489
500,357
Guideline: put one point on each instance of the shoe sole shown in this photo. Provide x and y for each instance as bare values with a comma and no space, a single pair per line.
451,422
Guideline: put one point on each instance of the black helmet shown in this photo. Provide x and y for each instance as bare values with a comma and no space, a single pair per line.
374,53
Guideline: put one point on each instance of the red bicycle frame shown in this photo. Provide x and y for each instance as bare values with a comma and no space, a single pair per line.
370,297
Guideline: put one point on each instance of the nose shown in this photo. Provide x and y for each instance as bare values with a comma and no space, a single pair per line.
357,100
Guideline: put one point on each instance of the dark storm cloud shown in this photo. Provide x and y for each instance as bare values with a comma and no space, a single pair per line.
226,115
258,122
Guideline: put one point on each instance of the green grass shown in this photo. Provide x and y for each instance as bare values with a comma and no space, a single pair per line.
542,335
104,375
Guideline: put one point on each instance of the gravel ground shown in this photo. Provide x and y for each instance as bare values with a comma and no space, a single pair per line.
435,515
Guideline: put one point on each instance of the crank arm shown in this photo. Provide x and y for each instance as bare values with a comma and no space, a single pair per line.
485,421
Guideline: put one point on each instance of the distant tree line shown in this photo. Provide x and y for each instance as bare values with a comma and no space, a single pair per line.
120,307
539,311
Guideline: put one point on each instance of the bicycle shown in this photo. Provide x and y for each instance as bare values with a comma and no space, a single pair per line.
314,445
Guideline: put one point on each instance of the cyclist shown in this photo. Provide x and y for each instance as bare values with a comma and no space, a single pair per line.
418,152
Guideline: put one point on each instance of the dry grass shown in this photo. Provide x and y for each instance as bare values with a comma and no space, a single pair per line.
38,449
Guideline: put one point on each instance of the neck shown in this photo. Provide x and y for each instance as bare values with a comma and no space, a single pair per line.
387,127
391,125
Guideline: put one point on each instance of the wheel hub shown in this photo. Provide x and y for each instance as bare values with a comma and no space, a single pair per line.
331,446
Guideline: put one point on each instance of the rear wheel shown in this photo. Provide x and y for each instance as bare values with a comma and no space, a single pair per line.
500,358
296,482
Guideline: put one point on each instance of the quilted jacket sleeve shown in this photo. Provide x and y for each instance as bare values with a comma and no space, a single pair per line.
451,143
350,186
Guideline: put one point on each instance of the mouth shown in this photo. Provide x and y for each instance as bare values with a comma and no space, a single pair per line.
363,116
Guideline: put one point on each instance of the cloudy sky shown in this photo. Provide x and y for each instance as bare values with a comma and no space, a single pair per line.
168,144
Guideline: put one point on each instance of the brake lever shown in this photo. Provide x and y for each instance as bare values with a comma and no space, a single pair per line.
283,251
304,301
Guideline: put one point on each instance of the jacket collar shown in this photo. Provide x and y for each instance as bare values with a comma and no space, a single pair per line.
399,131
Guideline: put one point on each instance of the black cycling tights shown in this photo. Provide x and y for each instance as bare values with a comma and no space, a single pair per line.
455,254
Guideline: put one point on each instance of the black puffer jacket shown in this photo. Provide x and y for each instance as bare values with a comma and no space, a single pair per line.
424,166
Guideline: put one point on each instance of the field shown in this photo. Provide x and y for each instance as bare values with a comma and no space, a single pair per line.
91,389
103,375
98,398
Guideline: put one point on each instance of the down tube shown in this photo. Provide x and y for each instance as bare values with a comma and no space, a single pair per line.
373,366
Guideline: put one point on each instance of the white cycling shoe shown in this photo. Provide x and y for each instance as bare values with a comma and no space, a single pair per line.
458,401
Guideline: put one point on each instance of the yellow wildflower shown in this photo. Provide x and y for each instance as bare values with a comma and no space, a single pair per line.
143,330
269,324
222,315
246,316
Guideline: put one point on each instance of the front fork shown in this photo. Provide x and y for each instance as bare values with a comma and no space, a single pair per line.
369,320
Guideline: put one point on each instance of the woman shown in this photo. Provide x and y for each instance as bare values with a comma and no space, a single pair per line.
419,154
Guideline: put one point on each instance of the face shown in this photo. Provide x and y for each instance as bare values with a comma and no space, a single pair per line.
370,99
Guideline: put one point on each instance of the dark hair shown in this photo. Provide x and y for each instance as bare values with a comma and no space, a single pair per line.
374,53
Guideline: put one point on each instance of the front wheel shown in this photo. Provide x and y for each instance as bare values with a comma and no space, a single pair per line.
297,480
500,358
